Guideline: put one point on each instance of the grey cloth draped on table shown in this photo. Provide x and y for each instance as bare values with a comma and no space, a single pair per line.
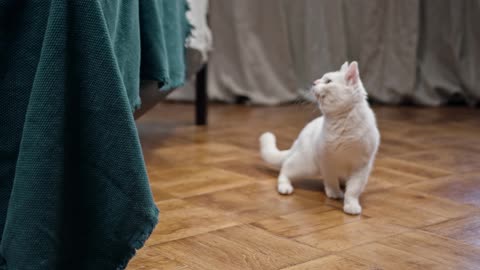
198,45
412,50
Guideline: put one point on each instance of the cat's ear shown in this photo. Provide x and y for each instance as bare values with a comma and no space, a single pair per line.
344,67
352,75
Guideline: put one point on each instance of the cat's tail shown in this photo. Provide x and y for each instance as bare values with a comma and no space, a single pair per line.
270,152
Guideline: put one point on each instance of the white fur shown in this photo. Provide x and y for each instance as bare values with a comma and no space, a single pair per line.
339,146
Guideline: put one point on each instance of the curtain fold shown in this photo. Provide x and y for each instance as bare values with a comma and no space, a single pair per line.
448,52
251,55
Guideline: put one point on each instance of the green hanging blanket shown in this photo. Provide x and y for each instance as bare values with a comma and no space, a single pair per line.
74,192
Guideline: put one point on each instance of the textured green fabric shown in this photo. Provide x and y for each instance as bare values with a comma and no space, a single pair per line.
74,192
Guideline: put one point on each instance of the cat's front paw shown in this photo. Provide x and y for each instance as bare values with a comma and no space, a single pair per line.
332,194
352,208
285,188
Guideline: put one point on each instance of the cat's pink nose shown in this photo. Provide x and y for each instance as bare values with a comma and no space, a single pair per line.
317,81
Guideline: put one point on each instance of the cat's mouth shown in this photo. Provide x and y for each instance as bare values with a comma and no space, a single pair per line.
318,93
320,96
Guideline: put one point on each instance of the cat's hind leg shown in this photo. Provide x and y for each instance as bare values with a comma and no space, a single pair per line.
293,168
284,185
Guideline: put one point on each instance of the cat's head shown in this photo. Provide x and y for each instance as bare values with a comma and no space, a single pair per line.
340,90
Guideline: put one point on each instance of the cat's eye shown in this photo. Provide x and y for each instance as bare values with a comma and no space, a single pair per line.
328,81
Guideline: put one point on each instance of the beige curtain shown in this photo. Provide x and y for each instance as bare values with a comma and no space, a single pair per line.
421,51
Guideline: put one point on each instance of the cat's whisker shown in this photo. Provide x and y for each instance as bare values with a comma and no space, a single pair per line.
305,105
300,100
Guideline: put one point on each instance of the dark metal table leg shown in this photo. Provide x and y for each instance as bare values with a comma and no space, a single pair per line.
201,97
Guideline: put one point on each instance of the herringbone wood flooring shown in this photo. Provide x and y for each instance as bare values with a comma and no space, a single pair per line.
220,210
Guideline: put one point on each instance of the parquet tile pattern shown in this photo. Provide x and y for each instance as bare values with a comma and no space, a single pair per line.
220,209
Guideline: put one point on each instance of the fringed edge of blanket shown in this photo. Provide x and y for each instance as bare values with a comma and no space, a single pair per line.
138,241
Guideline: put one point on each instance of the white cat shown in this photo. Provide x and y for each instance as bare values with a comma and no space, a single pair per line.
339,146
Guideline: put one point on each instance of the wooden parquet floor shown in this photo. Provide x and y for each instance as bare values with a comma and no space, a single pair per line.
220,209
